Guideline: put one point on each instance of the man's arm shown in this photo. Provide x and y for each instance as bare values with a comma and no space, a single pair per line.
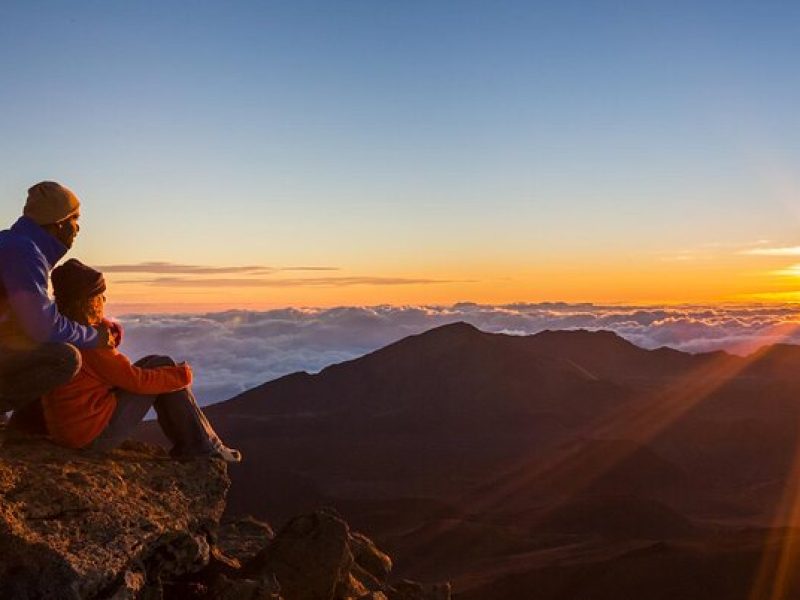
25,279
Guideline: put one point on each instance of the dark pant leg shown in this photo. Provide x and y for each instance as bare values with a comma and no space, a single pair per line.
178,415
131,409
180,418
149,362
27,375
201,417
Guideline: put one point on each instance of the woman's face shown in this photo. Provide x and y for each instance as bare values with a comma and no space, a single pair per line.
94,309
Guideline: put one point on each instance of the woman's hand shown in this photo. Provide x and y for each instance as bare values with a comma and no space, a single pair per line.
105,339
115,332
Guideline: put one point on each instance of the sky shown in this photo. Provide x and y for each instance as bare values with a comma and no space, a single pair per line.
264,155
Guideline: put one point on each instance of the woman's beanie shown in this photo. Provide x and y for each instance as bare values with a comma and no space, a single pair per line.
50,202
74,280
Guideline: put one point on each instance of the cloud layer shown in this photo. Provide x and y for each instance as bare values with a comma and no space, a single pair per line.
236,350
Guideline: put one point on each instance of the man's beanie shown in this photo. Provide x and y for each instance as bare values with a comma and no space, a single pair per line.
74,280
50,202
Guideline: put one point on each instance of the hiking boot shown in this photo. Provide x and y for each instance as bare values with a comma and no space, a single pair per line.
229,455
221,451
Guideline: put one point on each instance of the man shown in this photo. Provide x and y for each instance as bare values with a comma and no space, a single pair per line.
37,343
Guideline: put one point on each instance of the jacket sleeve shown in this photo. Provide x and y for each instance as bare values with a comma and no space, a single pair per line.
117,371
25,278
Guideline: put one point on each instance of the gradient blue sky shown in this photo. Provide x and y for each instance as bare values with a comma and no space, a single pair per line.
475,149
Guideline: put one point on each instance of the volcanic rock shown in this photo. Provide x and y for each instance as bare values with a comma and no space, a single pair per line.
316,557
309,544
76,524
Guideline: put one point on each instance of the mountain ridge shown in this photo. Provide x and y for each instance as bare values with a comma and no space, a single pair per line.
480,442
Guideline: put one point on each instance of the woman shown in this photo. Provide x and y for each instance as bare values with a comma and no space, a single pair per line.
106,400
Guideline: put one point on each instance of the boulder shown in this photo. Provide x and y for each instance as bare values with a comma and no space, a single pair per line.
310,557
316,557
369,557
243,537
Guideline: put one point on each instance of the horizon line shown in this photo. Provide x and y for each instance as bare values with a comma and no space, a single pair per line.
124,308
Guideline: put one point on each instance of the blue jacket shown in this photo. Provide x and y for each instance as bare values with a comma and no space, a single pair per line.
28,315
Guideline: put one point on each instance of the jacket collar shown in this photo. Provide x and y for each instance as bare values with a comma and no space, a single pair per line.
52,249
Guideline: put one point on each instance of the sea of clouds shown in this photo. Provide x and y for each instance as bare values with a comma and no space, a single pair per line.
236,350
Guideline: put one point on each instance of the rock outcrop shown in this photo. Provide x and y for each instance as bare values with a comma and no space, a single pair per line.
134,524
82,525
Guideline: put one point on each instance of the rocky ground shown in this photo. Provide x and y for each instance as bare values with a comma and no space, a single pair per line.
135,524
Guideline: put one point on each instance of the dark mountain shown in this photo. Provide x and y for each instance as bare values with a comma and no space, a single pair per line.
451,373
776,362
612,358
474,456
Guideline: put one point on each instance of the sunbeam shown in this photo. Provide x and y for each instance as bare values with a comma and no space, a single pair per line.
640,419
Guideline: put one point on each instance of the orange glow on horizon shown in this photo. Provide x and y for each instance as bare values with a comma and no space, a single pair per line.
638,281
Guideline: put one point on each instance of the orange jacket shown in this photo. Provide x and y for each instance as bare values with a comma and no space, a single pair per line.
78,411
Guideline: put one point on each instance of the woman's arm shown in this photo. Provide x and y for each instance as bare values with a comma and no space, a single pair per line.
116,370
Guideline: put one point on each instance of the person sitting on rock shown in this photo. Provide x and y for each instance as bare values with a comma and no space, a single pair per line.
37,343
100,407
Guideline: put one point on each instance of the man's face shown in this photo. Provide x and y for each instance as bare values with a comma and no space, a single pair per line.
67,230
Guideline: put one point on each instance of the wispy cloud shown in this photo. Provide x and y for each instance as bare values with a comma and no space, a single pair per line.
781,251
790,271
175,268
725,245
681,256
712,250
234,350
184,282
309,269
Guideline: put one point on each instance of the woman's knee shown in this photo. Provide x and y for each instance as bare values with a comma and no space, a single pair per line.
155,360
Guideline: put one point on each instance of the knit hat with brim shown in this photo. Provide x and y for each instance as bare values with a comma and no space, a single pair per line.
50,202
74,280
